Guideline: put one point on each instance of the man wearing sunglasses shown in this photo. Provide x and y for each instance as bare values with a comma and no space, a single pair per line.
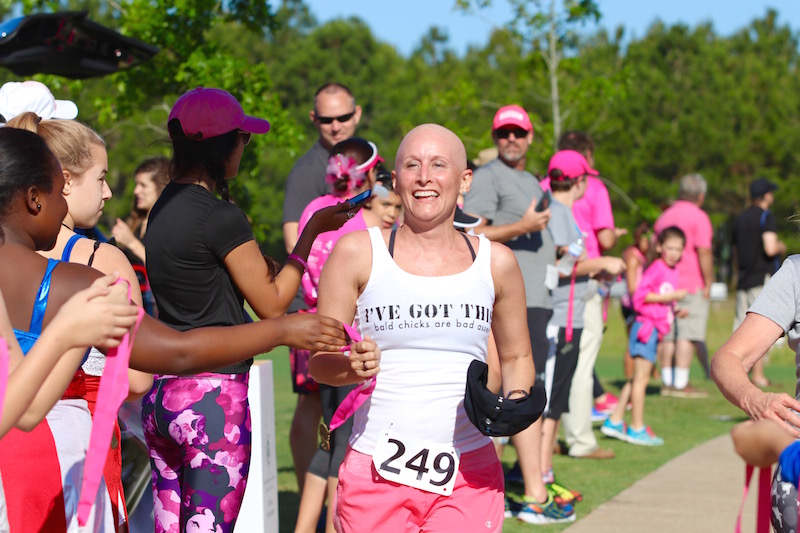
335,115
506,195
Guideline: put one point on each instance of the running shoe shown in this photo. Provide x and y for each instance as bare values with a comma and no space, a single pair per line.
549,512
607,404
598,416
643,437
562,495
512,507
616,431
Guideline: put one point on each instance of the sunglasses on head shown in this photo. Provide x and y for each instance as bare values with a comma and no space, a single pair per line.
340,118
519,133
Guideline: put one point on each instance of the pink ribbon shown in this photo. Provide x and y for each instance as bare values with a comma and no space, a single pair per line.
112,392
357,396
764,505
3,371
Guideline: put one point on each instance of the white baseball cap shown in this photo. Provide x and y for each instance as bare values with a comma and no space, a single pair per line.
18,97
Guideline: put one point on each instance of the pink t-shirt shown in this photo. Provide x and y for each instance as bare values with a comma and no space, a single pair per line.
657,279
592,213
323,244
696,225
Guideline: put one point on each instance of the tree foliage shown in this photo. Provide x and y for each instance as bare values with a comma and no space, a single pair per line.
679,99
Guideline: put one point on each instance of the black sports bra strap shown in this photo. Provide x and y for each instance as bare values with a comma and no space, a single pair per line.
391,242
97,245
471,249
394,232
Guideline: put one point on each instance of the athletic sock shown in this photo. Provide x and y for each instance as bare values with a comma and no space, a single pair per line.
666,376
681,378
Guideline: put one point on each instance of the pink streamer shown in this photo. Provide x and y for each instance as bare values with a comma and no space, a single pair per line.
112,392
357,396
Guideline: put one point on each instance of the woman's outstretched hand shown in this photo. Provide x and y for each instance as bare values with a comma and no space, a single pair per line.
331,218
309,331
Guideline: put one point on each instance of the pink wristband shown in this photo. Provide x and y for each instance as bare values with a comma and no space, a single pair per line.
299,260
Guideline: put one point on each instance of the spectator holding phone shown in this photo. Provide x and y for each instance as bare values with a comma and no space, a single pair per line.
351,173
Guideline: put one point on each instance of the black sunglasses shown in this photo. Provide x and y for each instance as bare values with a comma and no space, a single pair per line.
519,133
340,118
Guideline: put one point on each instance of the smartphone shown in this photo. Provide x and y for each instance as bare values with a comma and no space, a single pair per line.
544,202
360,199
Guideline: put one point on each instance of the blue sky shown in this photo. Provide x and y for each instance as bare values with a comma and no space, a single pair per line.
404,22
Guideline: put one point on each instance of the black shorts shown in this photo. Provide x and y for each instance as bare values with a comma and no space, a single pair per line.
566,363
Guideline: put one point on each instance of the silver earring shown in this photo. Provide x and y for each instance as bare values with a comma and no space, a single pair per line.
39,207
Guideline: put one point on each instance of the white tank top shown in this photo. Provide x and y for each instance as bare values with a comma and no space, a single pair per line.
428,329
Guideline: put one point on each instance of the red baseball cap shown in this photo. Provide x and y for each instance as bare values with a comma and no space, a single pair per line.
512,115
205,113
572,165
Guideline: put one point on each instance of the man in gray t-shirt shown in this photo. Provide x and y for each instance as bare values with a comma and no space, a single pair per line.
335,115
505,195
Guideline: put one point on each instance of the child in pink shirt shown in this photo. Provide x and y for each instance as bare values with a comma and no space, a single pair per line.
653,301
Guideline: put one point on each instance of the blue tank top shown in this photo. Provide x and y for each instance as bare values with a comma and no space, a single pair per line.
27,338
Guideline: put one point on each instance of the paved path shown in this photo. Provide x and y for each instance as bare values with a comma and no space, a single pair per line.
698,491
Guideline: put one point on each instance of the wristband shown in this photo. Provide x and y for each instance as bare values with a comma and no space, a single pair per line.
299,260
515,391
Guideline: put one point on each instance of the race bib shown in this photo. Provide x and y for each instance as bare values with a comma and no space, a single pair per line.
423,465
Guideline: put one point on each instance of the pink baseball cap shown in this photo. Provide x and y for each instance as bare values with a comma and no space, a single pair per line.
205,113
571,164
512,115
18,97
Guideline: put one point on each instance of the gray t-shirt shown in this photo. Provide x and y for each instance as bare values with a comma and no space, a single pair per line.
564,229
502,194
305,182
779,301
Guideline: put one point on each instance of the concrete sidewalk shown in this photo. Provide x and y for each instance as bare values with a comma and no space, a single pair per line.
699,491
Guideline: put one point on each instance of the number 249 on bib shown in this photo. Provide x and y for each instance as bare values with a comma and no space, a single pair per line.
423,465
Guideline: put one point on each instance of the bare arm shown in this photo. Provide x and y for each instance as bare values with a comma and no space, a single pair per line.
772,245
38,380
246,266
656,298
706,260
290,235
109,259
613,266
730,365
509,323
532,221
607,238
631,267
124,236
344,276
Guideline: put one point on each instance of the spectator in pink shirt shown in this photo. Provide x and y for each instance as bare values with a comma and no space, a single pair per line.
695,274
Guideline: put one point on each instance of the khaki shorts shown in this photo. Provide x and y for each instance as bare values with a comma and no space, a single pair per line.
693,326
744,299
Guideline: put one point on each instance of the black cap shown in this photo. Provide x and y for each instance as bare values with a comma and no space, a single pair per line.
464,220
494,415
760,187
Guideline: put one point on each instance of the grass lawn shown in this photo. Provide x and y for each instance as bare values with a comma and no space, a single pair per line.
683,423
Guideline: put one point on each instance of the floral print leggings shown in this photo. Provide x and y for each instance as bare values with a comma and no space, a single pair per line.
198,433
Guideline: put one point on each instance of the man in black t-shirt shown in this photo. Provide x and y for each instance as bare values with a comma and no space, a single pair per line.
757,252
